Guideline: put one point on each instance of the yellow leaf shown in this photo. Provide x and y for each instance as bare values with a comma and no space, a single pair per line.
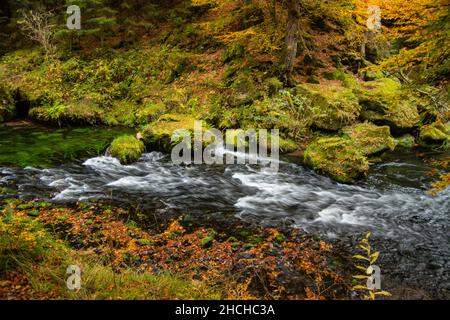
383,293
359,287
361,268
360,257
374,257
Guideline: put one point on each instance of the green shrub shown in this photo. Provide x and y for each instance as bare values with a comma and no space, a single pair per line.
72,113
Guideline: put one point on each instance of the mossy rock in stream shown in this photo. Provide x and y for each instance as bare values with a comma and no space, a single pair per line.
385,103
337,158
332,107
127,149
237,138
370,139
285,145
7,108
167,131
435,135
406,141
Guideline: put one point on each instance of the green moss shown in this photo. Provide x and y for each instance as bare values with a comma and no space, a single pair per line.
332,107
434,135
207,242
72,113
160,134
385,103
286,145
236,138
121,113
338,158
150,112
370,139
335,75
379,94
235,51
127,149
273,86
7,109
447,127
313,79
406,141
245,89
37,146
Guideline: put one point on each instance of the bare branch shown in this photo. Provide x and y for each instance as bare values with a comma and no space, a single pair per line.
37,27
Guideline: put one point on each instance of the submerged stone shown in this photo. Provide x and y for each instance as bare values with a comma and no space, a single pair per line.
337,158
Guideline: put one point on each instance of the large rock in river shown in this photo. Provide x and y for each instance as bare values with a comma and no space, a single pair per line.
162,134
337,158
127,149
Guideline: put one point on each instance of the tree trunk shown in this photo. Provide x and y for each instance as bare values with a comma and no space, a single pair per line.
291,40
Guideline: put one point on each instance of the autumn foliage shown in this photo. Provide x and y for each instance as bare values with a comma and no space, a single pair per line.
266,264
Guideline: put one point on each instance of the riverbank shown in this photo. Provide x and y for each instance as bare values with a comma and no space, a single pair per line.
175,260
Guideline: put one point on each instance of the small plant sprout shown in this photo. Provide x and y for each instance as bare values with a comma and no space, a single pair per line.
371,272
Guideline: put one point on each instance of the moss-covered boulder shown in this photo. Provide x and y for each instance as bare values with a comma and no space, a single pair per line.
286,145
434,135
370,139
385,103
82,112
337,158
162,134
406,141
447,127
332,108
7,109
127,149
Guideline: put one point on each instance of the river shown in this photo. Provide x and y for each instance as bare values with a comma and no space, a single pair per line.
410,228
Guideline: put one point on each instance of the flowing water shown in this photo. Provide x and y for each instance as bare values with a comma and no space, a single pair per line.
410,228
